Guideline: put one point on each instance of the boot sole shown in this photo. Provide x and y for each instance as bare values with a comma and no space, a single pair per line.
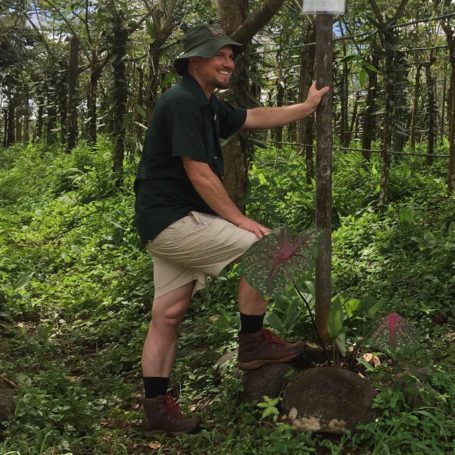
169,433
254,364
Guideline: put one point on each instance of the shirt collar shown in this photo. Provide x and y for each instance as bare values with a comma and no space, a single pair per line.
193,87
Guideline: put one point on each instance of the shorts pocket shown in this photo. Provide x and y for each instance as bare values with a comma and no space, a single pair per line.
200,218
179,234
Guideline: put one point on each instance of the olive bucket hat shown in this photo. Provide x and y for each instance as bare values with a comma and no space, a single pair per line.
203,41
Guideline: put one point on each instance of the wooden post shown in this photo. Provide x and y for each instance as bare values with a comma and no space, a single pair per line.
324,136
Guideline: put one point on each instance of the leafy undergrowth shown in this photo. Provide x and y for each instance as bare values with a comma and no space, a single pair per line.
75,299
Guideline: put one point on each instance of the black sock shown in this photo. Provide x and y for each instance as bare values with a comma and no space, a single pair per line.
251,323
154,386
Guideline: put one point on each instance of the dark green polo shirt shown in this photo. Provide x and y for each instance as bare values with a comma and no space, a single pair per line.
184,123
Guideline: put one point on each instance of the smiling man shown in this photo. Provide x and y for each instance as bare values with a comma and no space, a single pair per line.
187,220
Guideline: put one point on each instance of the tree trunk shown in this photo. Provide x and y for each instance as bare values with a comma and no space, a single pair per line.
163,23
388,38
139,117
400,110
387,129
449,31
451,116
155,75
5,128
26,123
39,121
241,27
235,152
344,102
369,122
72,94
120,37
18,118
51,109
96,68
431,111
62,97
415,105
352,131
305,129
324,133
444,100
278,132
11,124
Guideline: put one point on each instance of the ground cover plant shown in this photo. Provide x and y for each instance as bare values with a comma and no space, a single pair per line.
75,295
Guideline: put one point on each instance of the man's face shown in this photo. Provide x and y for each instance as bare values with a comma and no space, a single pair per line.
214,72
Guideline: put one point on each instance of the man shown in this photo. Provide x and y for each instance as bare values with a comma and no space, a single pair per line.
187,220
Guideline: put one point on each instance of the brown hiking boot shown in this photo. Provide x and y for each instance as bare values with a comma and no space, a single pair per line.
264,347
162,415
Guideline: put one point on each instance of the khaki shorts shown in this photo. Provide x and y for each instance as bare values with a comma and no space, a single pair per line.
193,248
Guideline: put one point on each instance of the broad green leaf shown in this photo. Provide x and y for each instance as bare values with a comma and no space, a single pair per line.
23,280
274,321
261,178
335,319
269,411
371,312
363,77
311,288
349,58
368,366
352,306
370,305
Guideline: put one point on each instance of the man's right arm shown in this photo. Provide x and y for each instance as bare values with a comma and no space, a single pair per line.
212,190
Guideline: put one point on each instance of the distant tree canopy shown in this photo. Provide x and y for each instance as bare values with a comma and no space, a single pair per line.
70,72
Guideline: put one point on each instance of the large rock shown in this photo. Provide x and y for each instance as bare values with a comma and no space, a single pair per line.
268,380
328,400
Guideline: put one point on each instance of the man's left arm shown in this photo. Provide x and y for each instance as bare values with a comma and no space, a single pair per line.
273,117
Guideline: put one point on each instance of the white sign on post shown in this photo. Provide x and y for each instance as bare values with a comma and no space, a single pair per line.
324,6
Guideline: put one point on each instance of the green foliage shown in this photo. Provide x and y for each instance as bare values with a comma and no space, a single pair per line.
269,408
75,299
280,197
403,429
87,172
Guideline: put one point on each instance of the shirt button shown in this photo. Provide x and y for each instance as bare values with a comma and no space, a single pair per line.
215,157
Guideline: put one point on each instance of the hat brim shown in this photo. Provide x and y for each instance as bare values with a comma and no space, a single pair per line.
206,50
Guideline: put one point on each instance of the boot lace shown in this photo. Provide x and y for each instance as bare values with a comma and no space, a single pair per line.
172,407
270,337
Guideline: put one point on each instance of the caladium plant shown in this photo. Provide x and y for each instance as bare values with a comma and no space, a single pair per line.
394,335
274,263
279,260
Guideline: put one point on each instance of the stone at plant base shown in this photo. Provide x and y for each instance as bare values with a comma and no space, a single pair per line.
313,354
268,380
328,400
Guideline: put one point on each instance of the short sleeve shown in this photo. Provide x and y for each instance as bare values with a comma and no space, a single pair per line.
231,118
185,129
